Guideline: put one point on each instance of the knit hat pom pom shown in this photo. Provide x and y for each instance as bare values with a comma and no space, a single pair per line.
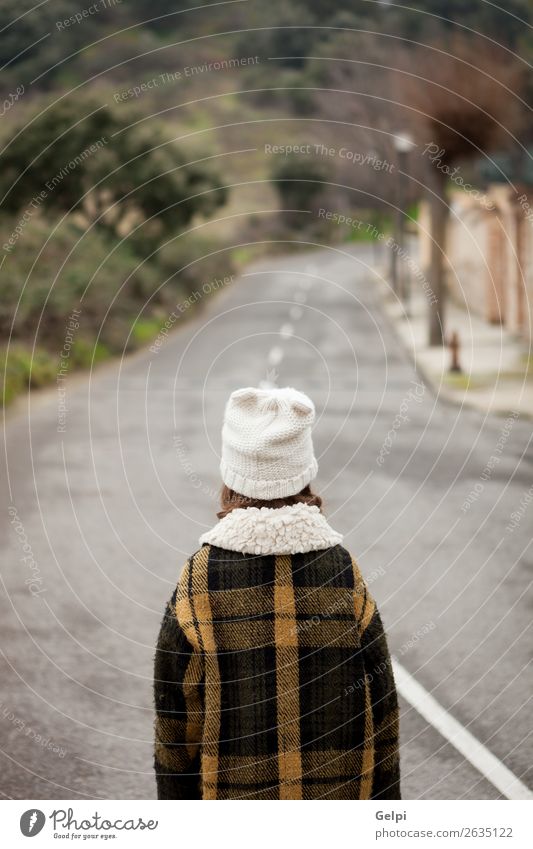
284,400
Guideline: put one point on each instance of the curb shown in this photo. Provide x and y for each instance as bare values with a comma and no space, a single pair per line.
443,394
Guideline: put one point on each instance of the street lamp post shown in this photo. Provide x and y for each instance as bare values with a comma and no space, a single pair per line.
403,144
373,155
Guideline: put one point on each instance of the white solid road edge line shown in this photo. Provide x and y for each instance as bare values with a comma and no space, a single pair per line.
479,756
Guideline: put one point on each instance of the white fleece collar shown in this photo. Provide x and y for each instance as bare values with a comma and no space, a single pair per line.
292,529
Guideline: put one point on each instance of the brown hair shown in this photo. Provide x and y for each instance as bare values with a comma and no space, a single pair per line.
231,500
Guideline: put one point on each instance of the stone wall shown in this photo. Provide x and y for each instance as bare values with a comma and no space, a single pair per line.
489,256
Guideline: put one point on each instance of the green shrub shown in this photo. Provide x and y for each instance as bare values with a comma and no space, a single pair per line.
120,305
188,262
299,181
74,270
42,368
145,330
85,353
13,376
21,368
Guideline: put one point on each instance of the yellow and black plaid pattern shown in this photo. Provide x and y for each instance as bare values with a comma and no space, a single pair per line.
273,681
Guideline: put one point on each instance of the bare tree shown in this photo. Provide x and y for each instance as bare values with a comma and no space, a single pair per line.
458,95
464,101
354,96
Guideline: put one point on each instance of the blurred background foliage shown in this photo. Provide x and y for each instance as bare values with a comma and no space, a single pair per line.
182,188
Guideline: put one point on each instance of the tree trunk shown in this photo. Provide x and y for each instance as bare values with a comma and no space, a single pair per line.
439,212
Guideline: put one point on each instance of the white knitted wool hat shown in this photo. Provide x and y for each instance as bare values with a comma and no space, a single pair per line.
267,450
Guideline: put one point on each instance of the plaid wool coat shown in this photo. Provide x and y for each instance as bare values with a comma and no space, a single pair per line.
272,674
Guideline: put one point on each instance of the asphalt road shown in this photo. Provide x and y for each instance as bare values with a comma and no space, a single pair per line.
106,512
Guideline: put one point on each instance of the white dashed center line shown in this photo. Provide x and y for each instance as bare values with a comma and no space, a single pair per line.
275,356
286,331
